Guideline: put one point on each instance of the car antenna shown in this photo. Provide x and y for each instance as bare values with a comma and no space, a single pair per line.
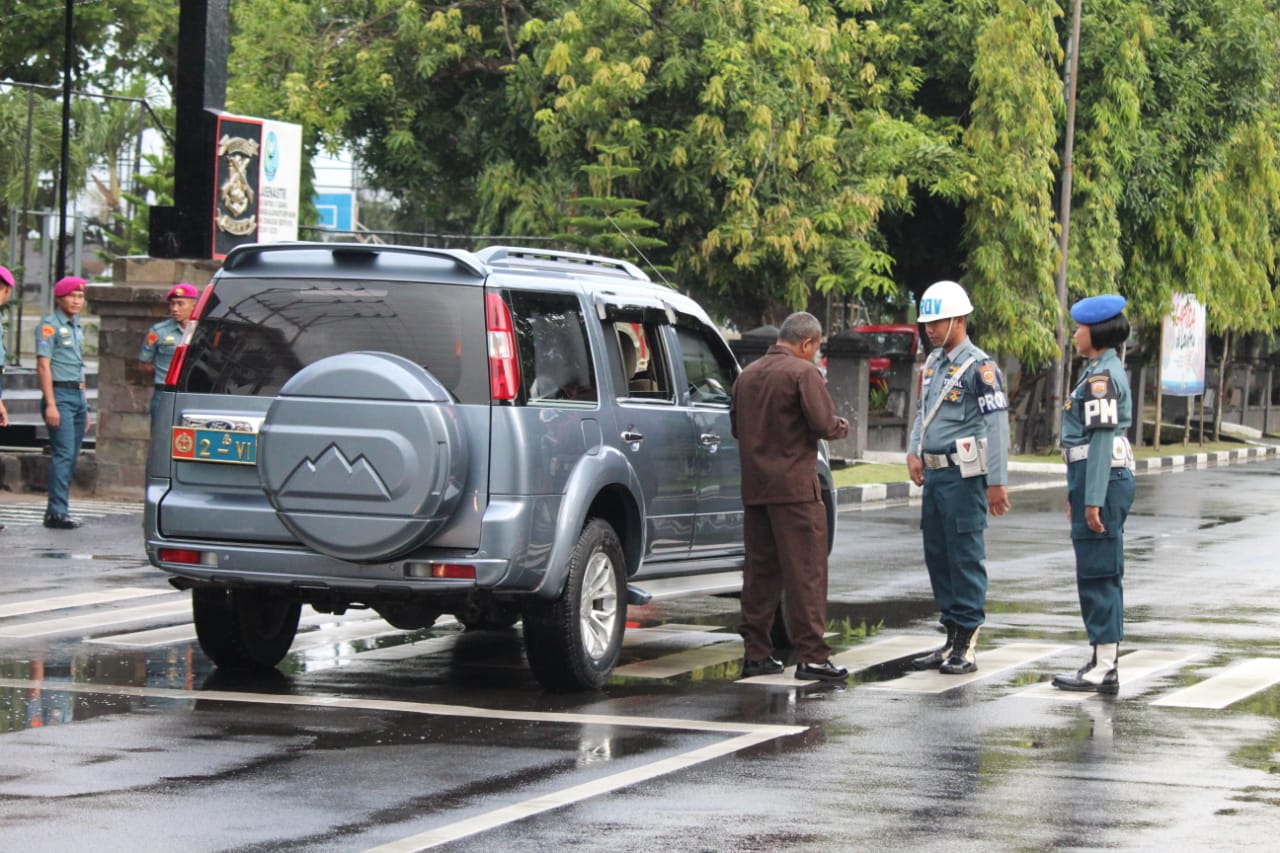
636,248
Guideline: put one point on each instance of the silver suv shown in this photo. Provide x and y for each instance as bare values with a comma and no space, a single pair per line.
511,434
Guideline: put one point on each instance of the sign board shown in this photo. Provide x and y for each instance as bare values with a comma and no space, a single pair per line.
257,182
1182,348
337,210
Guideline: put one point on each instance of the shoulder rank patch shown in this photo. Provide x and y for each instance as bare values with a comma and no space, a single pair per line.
152,337
46,331
991,396
1101,407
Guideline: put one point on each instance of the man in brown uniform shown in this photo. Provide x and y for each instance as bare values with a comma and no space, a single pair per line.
780,409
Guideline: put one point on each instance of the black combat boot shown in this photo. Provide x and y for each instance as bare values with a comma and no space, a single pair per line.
1100,675
964,653
934,659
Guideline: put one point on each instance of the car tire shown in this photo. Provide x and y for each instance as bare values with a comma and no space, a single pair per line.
244,629
573,642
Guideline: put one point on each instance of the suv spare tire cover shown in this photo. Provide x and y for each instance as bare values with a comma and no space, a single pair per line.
362,456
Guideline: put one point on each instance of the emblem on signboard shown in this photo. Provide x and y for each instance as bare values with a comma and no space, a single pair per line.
236,193
271,156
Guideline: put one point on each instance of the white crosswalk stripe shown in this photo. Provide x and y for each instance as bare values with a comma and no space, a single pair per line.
1227,688
30,512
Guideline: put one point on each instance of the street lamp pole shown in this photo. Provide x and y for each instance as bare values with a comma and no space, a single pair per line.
60,263
1058,383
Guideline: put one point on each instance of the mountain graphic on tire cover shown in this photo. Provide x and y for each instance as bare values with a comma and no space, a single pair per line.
361,456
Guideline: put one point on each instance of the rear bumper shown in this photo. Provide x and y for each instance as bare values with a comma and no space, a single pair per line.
311,574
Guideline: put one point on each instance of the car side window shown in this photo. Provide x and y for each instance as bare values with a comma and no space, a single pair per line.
555,356
641,373
709,367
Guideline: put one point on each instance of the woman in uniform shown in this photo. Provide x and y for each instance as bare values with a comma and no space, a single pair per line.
1099,486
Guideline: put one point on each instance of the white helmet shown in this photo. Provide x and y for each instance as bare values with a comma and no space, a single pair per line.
943,300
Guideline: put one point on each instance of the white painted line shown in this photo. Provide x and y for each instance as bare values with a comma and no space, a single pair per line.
861,657
355,625
62,602
993,662
404,651
684,637
1228,687
150,639
568,796
669,666
102,619
1134,666
325,700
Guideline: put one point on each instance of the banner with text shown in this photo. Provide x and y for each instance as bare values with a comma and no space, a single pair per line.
1182,348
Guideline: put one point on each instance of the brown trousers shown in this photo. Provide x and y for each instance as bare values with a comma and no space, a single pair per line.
786,551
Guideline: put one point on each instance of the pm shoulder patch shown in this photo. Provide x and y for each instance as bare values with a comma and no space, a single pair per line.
1101,407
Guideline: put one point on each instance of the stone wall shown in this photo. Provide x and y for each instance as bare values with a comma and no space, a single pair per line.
126,309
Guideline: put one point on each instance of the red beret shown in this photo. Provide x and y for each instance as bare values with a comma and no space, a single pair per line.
70,284
6,277
183,291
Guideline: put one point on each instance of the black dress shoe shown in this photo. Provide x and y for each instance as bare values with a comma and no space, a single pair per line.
768,666
825,671
1077,683
57,521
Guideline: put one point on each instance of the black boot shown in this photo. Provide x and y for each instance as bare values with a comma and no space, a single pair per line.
934,659
1100,675
964,653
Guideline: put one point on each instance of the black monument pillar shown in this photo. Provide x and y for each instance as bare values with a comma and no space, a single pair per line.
185,230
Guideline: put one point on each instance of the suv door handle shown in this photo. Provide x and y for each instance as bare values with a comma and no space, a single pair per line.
632,437
710,439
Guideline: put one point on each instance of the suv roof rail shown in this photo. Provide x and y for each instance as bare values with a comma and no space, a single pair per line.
241,255
551,259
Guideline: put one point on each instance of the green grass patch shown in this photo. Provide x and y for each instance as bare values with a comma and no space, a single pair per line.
861,474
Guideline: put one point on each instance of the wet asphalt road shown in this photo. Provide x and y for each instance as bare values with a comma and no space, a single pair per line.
115,734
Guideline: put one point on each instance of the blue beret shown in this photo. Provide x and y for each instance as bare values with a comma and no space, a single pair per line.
1095,309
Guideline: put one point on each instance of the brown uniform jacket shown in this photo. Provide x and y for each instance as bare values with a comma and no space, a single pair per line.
781,408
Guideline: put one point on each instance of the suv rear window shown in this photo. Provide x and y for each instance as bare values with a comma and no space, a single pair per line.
255,334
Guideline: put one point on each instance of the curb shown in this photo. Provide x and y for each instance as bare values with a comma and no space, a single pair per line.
906,490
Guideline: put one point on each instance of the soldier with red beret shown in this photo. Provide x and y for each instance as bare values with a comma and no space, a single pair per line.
60,370
163,338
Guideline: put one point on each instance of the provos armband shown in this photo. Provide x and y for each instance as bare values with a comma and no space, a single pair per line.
1101,407
991,396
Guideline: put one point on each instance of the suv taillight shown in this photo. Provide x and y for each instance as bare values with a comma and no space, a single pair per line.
504,372
180,351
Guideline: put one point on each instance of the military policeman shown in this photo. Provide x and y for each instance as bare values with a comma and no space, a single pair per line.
1100,486
957,451
60,370
164,337
6,290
